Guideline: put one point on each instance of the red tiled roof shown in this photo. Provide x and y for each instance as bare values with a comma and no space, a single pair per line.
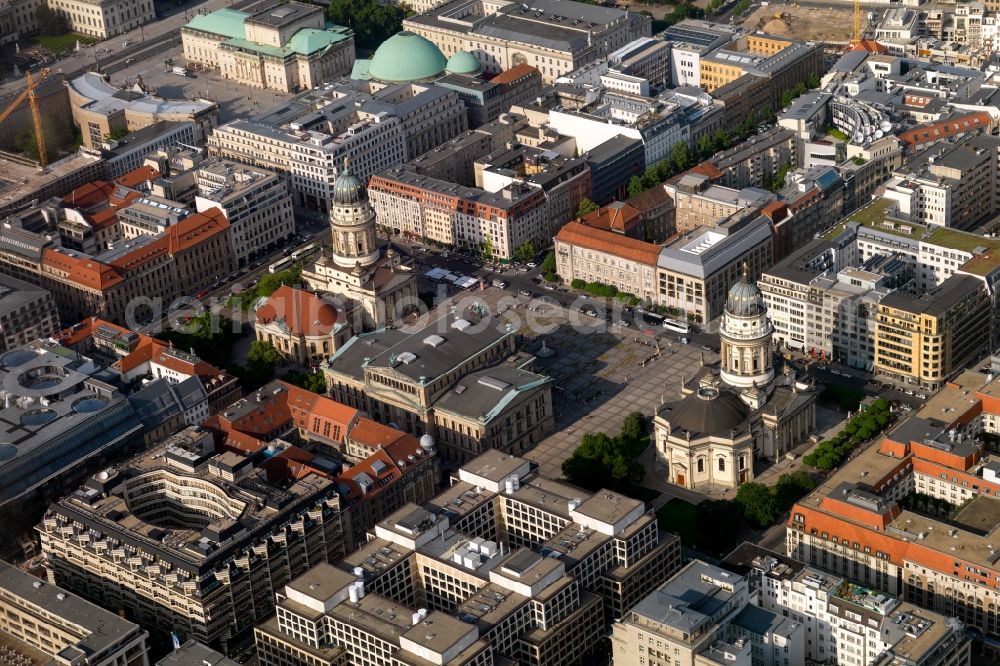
513,74
196,228
618,218
304,314
946,128
136,177
609,242
83,270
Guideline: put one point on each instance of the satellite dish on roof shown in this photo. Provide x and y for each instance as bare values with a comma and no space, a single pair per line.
879,134
858,137
885,126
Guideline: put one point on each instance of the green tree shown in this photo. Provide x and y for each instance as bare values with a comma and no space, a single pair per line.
790,488
525,251
721,139
117,134
578,283
314,382
635,187
680,156
706,147
263,352
757,503
372,21
549,264
50,22
586,206
634,426
487,248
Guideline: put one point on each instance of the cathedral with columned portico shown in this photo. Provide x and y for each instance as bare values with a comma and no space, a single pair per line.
736,411
374,288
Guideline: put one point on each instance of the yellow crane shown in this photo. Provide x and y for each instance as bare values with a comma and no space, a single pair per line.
36,116
857,23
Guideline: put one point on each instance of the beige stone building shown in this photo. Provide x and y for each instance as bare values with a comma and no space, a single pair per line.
288,47
104,18
456,378
26,313
699,203
554,37
38,618
303,327
597,255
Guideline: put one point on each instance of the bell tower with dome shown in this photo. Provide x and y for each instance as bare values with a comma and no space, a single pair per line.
371,285
746,355
352,222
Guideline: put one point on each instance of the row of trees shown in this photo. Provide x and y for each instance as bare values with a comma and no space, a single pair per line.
267,285
604,291
862,427
681,158
601,461
372,21
789,95
310,381
762,505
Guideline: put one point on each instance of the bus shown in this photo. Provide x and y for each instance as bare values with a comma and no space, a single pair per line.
280,265
304,252
676,326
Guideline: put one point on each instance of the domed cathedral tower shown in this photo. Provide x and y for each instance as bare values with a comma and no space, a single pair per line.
374,287
352,222
746,357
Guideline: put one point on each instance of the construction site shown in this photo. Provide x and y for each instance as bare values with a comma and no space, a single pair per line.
833,25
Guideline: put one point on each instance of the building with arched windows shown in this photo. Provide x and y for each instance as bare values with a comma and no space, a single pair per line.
735,412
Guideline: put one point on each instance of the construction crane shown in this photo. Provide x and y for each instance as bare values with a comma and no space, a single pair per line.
857,24
36,116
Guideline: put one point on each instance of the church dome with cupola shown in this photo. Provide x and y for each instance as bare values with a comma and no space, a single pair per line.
348,189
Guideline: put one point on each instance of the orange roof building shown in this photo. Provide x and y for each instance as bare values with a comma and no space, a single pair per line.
302,326
869,520
951,128
600,255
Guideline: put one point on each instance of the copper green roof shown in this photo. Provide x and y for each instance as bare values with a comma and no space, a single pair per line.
407,57
463,62
875,215
222,22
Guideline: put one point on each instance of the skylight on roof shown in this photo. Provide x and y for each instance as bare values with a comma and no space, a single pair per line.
433,340
460,324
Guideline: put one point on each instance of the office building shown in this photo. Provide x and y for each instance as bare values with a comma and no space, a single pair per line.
612,165
592,254
554,37
373,125
128,153
140,536
256,202
504,566
696,271
26,313
101,109
103,19
703,616
471,218
44,624
193,653
486,100
871,520
287,46
457,378
699,203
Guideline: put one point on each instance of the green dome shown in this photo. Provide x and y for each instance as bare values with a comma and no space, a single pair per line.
464,62
406,57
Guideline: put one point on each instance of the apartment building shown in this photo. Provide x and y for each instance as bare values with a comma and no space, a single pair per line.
952,186
287,46
811,201
703,615
750,163
42,623
512,567
472,218
374,126
485,101
100,109
256,203
592,254
457,378
695,272
195,535
845,622
104,18
863,523
566,181
554,37
26,313
130,356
